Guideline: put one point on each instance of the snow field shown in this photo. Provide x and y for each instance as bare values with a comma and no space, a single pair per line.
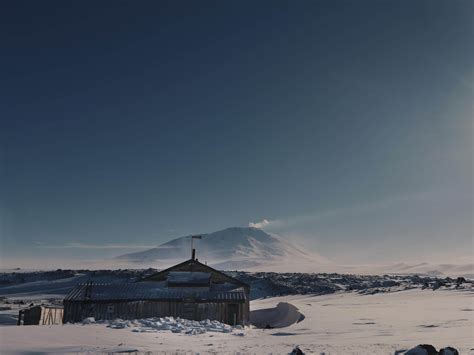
343,323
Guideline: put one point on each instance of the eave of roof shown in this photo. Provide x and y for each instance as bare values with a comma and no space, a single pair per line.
90,292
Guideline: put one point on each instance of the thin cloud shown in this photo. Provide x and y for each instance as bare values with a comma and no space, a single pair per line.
94,246
261,224
337,212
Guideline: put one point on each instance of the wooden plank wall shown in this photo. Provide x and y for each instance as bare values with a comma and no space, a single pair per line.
51,316
77,311
40,315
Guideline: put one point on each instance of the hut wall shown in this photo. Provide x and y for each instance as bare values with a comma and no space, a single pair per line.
229,313
40,315
31,316
51,315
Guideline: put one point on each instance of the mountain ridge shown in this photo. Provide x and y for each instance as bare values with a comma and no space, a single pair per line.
239,247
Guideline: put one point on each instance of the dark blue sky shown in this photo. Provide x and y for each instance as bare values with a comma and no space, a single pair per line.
346,124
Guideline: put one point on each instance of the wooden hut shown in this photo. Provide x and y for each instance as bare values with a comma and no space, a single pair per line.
189,290
40,315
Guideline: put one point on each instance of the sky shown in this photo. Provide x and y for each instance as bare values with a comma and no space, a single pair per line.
344,126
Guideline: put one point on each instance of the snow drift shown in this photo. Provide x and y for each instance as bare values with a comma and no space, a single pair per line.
175,325
281,316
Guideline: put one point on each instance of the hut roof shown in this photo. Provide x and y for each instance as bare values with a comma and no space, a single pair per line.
189,279
153,291
193,265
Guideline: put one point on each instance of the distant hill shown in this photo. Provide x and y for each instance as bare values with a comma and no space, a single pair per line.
231,248
253,249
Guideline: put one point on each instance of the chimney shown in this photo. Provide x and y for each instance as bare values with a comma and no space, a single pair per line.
193,251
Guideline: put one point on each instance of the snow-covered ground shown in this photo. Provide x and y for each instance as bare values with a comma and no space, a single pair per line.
330,313
340,323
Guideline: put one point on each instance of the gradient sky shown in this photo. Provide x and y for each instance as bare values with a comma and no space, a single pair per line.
346,124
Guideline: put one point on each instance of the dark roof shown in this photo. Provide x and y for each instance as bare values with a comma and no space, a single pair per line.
152,291
189,278
194,265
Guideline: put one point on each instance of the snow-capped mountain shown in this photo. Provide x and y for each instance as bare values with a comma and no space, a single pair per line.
231,248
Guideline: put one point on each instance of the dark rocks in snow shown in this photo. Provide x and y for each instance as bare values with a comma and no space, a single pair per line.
438,283
460,281
428,349
448,351
297,351
422,349
275,284
263,284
